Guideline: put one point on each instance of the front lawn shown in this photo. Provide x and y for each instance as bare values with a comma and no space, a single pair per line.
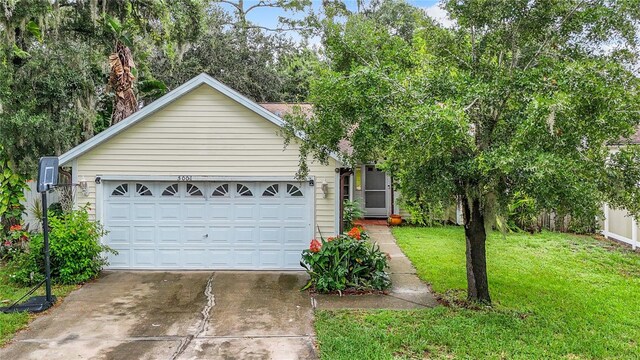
9,293
555,296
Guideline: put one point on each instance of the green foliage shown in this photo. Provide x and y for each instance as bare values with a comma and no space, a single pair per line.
523,213
55,209
76,253
521,107
517,98
266,67
423,212
47,112
555,295
345,263
585,224
14,242
12,187
53,64
352,211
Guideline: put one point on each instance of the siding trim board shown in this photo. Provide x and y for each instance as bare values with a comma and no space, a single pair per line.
199,178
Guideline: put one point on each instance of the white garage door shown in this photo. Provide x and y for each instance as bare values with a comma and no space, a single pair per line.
207,225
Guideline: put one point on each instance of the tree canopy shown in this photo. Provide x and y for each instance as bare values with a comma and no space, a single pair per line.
54,63
518,98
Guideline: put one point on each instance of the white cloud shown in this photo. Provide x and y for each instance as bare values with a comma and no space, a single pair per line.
437,13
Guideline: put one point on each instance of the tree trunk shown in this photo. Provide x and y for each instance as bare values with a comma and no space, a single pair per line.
476,236
121,83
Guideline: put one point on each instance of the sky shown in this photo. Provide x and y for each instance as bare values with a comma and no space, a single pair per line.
268,17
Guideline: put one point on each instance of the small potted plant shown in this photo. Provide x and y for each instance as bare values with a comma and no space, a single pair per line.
395,219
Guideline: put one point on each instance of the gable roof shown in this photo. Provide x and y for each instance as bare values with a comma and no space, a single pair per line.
170,97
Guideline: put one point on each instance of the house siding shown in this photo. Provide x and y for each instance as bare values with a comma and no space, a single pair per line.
204,133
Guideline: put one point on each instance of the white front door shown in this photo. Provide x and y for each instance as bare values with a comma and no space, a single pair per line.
377,187
207,225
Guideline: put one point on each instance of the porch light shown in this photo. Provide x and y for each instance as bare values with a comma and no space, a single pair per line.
325,189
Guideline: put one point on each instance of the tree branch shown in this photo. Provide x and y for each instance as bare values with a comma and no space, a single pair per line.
550,33
468,107
260,4
235,5
459,58
275,29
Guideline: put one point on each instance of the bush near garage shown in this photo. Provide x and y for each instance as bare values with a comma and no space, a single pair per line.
347,262
75,249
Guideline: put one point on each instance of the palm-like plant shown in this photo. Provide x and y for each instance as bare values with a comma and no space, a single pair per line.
122,73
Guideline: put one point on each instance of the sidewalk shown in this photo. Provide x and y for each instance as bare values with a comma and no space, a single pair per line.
407,290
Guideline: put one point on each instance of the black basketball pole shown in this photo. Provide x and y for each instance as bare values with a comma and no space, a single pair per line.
45,231
47,179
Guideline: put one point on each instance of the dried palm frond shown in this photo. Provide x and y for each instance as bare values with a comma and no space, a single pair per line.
121,83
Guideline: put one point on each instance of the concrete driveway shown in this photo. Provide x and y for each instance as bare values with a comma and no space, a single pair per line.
176,315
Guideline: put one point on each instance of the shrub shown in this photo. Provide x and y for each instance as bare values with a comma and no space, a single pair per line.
14,243
523,213
352,211
345,262
55,209
12,187
75,251
424,212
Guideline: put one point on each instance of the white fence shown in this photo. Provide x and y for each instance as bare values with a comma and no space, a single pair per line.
620,226
34,199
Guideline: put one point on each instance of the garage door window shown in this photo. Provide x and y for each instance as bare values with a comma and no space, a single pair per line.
243,190
293,190
272,190
171,190
222,190
120,190
143,190
193,190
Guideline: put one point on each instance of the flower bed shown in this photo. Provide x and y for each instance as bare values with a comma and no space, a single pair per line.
347,262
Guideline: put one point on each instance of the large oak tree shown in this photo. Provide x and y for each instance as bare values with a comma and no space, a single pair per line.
518,97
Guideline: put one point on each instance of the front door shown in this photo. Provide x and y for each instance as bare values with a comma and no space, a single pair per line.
376,188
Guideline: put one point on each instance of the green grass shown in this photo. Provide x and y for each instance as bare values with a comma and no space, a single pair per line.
9,293
556,296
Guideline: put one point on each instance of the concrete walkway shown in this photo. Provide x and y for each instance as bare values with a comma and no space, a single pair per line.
407,291
176,315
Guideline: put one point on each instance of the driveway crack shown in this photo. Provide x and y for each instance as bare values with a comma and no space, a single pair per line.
202,326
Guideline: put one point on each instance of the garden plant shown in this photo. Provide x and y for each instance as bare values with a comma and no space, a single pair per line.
347,262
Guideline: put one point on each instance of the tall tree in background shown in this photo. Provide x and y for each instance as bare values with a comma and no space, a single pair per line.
249,57
520,97
55,63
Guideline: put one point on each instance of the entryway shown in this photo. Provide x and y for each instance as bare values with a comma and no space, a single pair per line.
377,192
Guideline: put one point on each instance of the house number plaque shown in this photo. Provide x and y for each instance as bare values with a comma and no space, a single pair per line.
184,177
